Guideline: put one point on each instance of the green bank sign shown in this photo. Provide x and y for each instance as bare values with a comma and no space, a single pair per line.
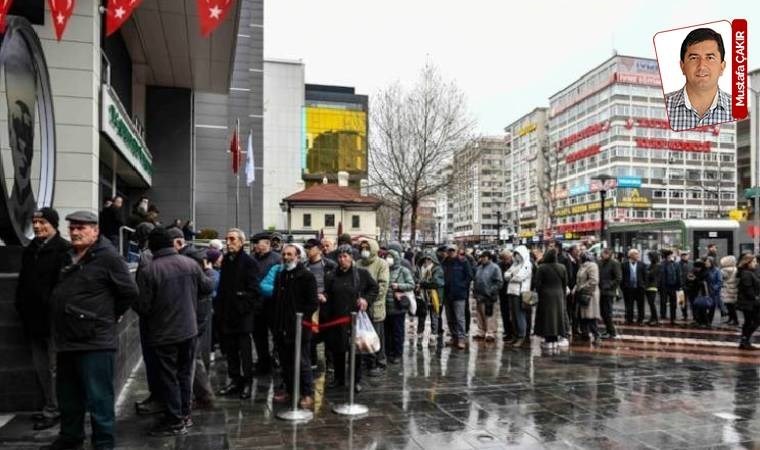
127,140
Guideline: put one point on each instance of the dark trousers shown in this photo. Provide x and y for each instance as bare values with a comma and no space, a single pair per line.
148,360
528,310
286,348
751,322
572,315
261,327
651,299
589,326
506,320
175,364
336,342
605,304
633,297
85,383
732,317
668,301
467,315
202,389
394,334
239,352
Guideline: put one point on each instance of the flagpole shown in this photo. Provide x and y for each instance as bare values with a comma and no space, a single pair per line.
237,177
250,188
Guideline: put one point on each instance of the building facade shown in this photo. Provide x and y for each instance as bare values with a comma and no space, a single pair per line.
335,140
477,192
612,121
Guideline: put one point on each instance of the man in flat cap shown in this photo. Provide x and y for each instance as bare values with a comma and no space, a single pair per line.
94,291
40,265
264,257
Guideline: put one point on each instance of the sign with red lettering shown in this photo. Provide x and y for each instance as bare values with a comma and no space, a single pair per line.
589,131
638,78
585,153
676,145
662,124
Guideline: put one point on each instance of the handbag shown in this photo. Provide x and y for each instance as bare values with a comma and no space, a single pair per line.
583,300
529,299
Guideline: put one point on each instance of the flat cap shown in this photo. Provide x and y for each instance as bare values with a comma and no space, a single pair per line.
259,236
82,217
175,233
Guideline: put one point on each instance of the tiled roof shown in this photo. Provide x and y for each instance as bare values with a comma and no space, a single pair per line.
331,193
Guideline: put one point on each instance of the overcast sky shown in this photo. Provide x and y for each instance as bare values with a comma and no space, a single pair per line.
508,57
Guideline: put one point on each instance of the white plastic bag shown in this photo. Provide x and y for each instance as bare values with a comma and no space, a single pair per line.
367,340
412,303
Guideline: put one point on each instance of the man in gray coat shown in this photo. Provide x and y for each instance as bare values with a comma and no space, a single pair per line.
488,281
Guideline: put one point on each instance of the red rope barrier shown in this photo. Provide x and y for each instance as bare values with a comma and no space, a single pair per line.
317,327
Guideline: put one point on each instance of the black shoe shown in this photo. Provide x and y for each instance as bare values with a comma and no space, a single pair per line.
262,371
149,409
145,401
745,345
62,445
231,389
245,394
188,421
46,422
336,384
393,360
164,428
358,388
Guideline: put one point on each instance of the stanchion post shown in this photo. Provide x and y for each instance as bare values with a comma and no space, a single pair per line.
295,413
350,408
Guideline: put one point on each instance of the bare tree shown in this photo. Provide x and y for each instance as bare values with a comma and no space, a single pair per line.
547,188
413,136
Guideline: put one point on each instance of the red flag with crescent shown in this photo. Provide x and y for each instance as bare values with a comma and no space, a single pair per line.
211,13
61,11
5,6
118,12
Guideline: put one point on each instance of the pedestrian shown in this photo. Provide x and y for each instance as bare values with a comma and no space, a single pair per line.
728,292
653,280
320,266
748,298
670,283
328,246
170,289
431,283
457,274
488,282
264,258
94,291
587,296
378,269
188,230
112,219
634,287
508,334
236,298
696,287
41,264
349,288
712,251
610,276
714,284
295,291
468,255
551,282
518,278
686,268
397,305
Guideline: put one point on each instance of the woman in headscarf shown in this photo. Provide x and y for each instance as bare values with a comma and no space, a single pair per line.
587,296
551,283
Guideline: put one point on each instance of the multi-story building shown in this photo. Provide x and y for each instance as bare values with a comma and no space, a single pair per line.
336,134
526,179
477,192
444,210
612,121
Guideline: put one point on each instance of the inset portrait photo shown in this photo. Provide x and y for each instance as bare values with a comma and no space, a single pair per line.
695,67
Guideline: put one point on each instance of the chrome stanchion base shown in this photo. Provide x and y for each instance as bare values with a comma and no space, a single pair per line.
347,409
296,415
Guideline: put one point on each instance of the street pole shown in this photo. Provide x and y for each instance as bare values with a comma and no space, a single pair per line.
754,148
498,227
603,193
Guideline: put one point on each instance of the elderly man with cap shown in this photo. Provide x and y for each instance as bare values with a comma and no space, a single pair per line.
320,267
94,291
263,260
41,263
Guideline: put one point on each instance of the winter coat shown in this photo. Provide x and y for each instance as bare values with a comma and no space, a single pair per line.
641,276
518,277
610,276
266,285
432,279
344,287
401,276
551,285
685,269
91,296
263,263
457,274
653,272
237,294
488,281
170,291
714,282
41,265
405,262
671,278
748,290
378,268
295,291
730,279
588,284
111,219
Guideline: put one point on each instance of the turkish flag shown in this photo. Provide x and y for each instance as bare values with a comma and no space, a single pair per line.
5,6
211,13
235,152
61,10
118,12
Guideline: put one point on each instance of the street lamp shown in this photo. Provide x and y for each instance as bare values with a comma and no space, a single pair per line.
602,179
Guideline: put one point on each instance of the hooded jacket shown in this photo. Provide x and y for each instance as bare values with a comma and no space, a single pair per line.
520,273
432,279
404,262
403,277
729,278
378,268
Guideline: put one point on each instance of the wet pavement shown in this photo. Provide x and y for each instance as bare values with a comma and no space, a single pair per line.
657,387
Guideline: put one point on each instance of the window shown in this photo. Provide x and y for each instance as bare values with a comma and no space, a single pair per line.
355,222
307,220
329,220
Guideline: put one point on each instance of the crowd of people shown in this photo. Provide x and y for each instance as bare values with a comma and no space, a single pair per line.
239,298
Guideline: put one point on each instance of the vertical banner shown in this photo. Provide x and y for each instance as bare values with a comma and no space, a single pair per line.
739,73
5,6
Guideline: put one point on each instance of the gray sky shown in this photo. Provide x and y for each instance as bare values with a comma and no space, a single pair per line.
508,57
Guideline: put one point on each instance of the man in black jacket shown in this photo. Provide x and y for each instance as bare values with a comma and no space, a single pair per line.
295,290
169,291
610,276
41,264
349,288
263,260
235,298
94,291
634,284
320,266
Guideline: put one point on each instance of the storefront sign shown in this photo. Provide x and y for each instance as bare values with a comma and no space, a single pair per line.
590,225
633,78
527,129
662,124
629,182
589,131
585,153
671,144
583,208
634,200
119,128
579,190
